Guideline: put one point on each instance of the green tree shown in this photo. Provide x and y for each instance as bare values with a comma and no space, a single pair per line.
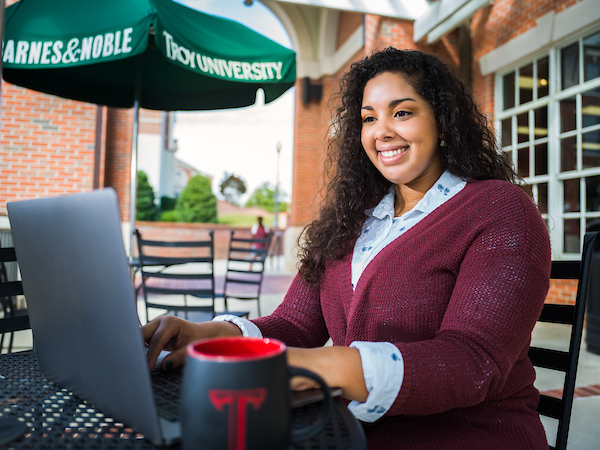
145,208
166,209
197,202
167,203
232,187
264,197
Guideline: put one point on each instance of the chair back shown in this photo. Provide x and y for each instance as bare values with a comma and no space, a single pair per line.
245,268
178,268
573,315
13,320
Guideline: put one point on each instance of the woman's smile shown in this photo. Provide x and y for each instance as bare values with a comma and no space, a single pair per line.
392,156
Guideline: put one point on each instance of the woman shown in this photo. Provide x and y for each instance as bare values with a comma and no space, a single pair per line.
431,295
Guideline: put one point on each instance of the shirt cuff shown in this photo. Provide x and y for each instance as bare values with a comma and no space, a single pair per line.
383,369
247,327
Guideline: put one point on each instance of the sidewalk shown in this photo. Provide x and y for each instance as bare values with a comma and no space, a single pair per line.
584,430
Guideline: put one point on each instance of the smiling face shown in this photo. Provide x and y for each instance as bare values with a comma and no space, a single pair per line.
400,135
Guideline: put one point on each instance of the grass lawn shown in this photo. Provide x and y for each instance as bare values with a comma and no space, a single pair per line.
244,220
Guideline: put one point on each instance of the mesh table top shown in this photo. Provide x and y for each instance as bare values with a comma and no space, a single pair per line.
57,419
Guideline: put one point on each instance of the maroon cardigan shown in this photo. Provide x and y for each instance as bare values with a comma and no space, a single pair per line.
459,294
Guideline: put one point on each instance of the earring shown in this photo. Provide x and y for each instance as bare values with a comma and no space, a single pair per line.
442,142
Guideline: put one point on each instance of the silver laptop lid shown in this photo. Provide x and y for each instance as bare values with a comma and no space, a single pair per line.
81,304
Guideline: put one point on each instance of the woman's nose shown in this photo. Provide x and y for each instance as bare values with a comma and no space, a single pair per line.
383,130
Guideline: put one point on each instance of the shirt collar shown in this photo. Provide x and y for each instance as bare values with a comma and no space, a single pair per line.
445,187
385,207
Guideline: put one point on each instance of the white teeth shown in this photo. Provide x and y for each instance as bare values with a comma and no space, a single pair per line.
391,153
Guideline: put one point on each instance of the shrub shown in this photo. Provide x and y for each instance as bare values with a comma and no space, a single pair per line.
145,209
169,216
197,202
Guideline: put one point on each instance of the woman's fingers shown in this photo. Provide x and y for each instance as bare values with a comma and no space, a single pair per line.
164,333
174,334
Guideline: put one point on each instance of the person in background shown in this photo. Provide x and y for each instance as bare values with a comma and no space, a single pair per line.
427,267
260,231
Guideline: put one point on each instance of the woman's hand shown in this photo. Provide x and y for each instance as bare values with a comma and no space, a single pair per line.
174,334
338,366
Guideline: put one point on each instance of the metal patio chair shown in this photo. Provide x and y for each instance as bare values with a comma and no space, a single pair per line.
13,319
245,268
181,274
572,315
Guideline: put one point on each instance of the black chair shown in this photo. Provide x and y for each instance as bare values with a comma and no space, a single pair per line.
13,319
245,267
573,315
165,268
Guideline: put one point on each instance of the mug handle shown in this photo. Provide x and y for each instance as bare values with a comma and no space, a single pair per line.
303,434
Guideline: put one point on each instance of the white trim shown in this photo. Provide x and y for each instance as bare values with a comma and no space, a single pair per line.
328,30
575,18
346,52
295,26
443,16
550,29
316,55
311,69
328,65
398,9
4,223
458,18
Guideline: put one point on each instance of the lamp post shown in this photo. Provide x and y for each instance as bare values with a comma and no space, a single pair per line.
276,206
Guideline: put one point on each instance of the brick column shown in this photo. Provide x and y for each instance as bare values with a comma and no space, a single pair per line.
119,129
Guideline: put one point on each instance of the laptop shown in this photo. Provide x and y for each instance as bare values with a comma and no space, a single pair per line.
81,304
82,308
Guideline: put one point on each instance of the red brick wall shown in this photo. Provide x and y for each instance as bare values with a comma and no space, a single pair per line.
309,133
47,145
381,32
562,291
150,121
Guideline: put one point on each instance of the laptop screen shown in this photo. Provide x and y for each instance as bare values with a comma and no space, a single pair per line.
81,304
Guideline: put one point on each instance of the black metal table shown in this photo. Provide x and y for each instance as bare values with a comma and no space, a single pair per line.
57,419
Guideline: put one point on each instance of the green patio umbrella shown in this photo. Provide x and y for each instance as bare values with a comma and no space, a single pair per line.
100,51
155,54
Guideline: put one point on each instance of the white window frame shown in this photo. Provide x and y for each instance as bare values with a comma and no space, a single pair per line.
554,178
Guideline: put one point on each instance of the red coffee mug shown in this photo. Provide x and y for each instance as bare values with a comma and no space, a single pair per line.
236,396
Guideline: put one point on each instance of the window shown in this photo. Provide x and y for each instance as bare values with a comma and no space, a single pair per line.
548,119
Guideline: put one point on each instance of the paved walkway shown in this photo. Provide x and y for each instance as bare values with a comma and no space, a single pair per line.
585,430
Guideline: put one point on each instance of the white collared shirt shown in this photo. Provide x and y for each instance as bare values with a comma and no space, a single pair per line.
381,228
382,362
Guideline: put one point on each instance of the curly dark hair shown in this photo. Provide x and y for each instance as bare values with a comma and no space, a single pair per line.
354,184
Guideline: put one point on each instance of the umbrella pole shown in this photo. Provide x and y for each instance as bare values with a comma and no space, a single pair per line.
134,151
1,41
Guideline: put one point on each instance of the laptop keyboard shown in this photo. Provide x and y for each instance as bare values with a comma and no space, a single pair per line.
167,393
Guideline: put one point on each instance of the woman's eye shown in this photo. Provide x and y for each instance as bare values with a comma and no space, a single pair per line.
402,113
368,119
